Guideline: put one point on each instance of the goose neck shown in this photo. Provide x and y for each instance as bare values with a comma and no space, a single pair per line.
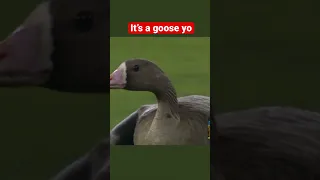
167,103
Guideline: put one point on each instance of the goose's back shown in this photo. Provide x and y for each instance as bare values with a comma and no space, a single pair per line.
266,138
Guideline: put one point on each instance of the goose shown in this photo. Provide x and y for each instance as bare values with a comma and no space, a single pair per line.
61,46
235,134
44,52
172,121
269,143
95,162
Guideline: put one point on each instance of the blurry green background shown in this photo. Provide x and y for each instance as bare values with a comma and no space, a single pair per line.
42,131
265,53
159,11
185,60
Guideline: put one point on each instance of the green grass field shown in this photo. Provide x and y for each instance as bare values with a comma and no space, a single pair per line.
185,60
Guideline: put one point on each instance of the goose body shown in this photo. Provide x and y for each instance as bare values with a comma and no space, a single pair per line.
172,121
286,137
194,112
259,143
61,45
256,143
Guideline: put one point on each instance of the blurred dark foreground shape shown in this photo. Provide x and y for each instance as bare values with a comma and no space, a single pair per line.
61,45
263,143
266,53
268,143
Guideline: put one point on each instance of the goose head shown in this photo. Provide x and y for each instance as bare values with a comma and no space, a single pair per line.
61,45
138,75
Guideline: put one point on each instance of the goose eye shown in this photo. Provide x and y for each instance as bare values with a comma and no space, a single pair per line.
84,21
136,68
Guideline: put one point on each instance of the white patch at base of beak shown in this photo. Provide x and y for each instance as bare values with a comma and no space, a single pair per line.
118,79
41,16
123,69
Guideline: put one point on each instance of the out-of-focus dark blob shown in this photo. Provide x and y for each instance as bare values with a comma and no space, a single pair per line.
80,60
62,45
262,143
215,171
81,45
25,53
95,165
269,143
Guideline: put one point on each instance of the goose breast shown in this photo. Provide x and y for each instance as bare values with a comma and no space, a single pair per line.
194,111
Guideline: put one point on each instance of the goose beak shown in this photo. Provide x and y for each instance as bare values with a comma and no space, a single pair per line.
21,63
25,54
117,79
